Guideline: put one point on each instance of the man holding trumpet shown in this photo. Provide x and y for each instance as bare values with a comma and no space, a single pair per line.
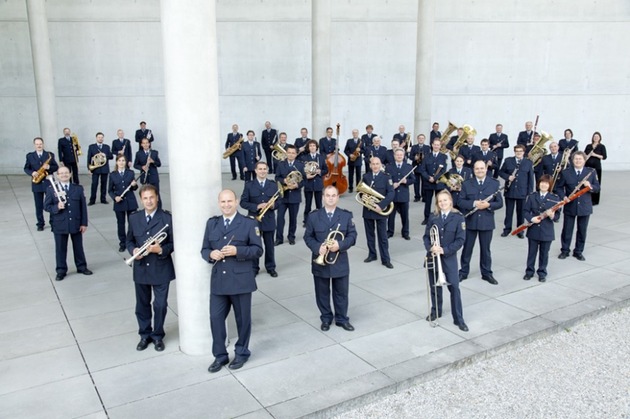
330,232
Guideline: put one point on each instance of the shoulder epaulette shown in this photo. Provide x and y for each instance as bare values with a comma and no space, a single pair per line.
167,211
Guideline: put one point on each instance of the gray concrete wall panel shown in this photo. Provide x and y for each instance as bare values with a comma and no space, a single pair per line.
17,78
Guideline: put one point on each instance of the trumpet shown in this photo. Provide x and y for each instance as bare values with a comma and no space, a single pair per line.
370,199
42,172
278,152
329,258
434,263
233,148
98,160
159,237
57,189
269,204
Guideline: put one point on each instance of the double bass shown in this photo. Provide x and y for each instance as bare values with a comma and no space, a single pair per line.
335,163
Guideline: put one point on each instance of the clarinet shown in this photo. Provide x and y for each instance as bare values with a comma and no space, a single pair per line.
488,199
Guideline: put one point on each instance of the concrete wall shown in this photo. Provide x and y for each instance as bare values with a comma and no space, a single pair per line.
496,61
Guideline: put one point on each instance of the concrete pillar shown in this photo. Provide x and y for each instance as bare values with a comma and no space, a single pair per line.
320,63
42,67
424,67
189,40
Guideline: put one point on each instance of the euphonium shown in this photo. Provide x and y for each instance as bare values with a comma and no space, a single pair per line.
233,148
452,180
445,137
329,258
279,194
468,132
538,149
144,249
370,199
311,167
278,152
98,160
42,172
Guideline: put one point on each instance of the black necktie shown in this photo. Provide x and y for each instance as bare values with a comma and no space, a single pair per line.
148,219
262,185
99,146
227,223
330,214
398,166
443,218
578,173
66,188
480,183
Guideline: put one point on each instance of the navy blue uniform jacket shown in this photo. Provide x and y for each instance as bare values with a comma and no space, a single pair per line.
254,194
317,183
117,184
481,220
452,237
564,143
381,153
468,153
234,274
152,269
34,163
66,150
231,139
291,196
382,184
317,229
326,146
431,167
568,181
351,146
401,194
92,151
141,159
418,149
524,183
250,152
549,163
117,146
73,216
465,172
268,138
502,141
534,206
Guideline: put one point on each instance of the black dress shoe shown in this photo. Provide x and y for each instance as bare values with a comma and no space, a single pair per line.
369,259
388,265
90,203
432,317
463,327
579,257
159,345
389,236
527,277
563,255
143,344
291,242
521,235
121,248
350,190
505,234
217,365
60,277
490,279
325,326
406,237
416,200
462,277
273,274
237,363
346,326
86,271
424,222
40,228
278,242
542,279
232,179
104,202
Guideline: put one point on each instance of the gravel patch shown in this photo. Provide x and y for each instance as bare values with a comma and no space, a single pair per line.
583,372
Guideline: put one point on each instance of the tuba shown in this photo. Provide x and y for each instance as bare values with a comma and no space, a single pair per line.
329,258
445,137
452,180
278,152
98,160
370,199
538,150
234,147
468,132
311,167
42,172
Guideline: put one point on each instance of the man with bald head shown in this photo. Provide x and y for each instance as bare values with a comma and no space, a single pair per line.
231,243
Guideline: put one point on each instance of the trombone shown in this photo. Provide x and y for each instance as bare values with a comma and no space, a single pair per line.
433,263
329,258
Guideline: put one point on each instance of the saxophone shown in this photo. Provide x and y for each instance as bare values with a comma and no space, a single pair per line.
41,172
233,148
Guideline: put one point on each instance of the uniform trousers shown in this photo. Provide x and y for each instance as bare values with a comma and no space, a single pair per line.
39,207
120,223
456,298
401,208
509,213
485,261
542,249
417,187
339,297
75,172
567,233
308,201
219,310
236,158
495,170
95,178
427,197
61,252
270,260
249,175
270,161
381,232
354,176
143,310
293,212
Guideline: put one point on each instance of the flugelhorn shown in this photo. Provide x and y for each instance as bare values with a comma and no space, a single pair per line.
370,199
159,237
329,258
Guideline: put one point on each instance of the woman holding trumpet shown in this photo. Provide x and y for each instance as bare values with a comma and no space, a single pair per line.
444,236
330,232
121,186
